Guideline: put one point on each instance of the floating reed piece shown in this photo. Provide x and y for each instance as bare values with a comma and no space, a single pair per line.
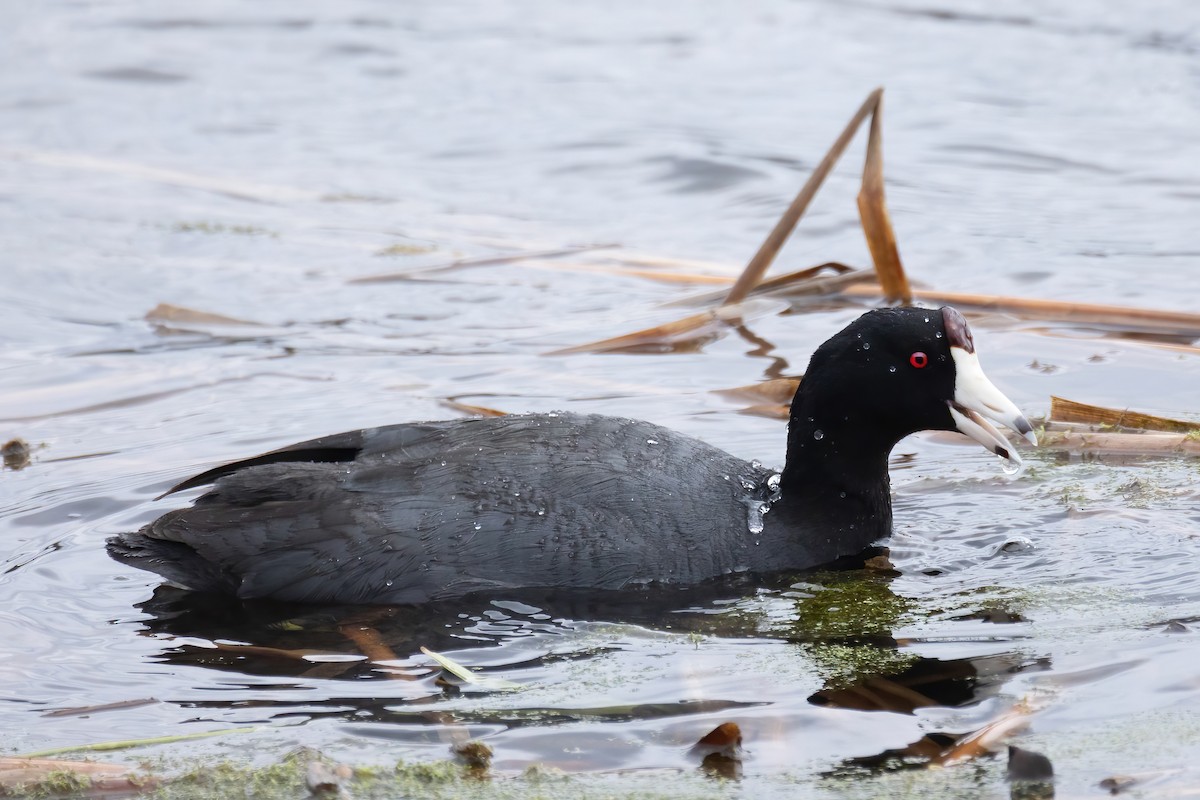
1089,442
1081,428
1063,410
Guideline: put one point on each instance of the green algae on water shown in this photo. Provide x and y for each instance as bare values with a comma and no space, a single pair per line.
848,605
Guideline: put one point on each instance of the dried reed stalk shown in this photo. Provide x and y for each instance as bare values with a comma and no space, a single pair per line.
1063,410
881,239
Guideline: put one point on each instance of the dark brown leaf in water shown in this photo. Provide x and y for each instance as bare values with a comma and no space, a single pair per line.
1026,765
725,736
881,563
721,751
16,454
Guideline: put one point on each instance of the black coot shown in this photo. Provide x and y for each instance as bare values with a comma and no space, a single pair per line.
424,511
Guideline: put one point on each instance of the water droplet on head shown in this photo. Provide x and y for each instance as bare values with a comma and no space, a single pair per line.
478,526
652,441
818,434
937,335
842,495
891,369
866,345
927,319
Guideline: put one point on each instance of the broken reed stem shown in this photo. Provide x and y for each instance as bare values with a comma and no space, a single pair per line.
876,222
770,247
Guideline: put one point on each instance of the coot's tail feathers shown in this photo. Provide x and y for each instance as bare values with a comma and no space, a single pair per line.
175,561
340,447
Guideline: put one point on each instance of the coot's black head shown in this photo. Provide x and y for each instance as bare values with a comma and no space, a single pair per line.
895,371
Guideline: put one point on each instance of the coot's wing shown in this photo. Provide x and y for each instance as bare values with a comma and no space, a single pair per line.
326,449
336,448
378,534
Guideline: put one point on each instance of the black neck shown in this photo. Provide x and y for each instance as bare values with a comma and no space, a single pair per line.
834,487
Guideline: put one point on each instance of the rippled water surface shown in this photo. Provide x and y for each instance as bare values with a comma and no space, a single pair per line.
252,160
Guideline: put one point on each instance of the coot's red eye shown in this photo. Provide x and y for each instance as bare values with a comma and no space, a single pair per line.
919,360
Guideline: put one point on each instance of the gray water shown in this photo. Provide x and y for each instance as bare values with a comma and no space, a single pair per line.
251,160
